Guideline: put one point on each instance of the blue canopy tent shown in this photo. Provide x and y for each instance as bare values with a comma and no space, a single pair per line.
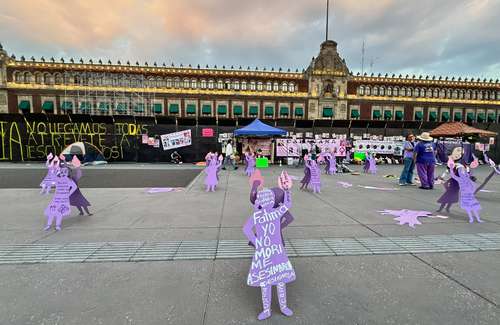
258,129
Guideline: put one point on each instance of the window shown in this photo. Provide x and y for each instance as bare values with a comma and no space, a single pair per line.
276,87
236,85
38,78
27,77
416,93
361,90
259,86
18,77
389,91
186,83
269,86
284,86
177,83
409,92
47,79
169,83
252,85
203,84
429,93
58,79
243,85
227,84
375,91
211,84
435,93
368,91
220,84
194,84
382,91
291,87
403,92
442,93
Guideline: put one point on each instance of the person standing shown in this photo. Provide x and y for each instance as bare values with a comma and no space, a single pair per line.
425,158
229,159
304,151
409,164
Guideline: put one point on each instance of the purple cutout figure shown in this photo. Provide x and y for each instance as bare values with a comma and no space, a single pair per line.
59,207
330,161
270,264
405,216
212,179
468,201
311,176
49,180
370,164
77,199
250,163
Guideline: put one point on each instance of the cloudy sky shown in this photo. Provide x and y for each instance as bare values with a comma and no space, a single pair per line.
445,37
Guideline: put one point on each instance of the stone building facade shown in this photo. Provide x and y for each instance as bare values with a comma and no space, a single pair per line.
325,90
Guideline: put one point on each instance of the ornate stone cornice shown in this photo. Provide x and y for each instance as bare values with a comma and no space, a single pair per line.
424,82
425,100
173,71
13,85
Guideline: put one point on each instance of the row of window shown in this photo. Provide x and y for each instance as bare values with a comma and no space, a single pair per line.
139,81
433,114
428,92
149,108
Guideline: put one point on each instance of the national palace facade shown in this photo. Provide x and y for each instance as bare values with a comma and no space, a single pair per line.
326,90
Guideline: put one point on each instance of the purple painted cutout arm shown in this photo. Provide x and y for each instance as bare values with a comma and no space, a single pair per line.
248,230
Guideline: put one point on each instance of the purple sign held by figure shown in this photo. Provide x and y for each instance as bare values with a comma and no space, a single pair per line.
270,264
59,207
468,201
77,199
250,163
212,179
311,176
49,180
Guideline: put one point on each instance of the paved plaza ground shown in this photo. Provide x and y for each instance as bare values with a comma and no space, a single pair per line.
181,257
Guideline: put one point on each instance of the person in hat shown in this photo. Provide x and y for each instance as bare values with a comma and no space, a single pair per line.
406,177
425,159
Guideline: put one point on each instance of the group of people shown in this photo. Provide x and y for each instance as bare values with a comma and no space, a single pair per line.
64,177
422,155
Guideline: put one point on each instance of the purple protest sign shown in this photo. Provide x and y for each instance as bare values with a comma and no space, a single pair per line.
330,162
311,176
59,207
212,179
270,264
467,198
370,164
250,163
50,179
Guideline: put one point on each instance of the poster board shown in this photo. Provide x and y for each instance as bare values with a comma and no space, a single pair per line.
292,147
176,140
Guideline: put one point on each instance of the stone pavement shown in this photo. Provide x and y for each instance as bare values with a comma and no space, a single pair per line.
184,260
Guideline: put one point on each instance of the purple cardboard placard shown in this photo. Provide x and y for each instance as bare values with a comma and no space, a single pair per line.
330,162
311,176
467,193
212,169
59,207
250,162
77,199
270,264
409,217
370,164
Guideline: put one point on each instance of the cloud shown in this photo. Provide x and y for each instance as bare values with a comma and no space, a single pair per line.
448,37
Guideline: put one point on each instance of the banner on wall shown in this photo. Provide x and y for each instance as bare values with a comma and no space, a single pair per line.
176,140
293,147
255,144
379,147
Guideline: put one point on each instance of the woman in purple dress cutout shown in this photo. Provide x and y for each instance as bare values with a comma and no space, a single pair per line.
77,199
212,179
270,264
249,162
59,207
468,201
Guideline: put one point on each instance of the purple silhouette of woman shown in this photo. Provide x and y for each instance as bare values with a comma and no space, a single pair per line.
370,164
77,199
315,176
59,207
211,180
50,179
450,196
270,264
468,201
307,174
250,163
330,161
